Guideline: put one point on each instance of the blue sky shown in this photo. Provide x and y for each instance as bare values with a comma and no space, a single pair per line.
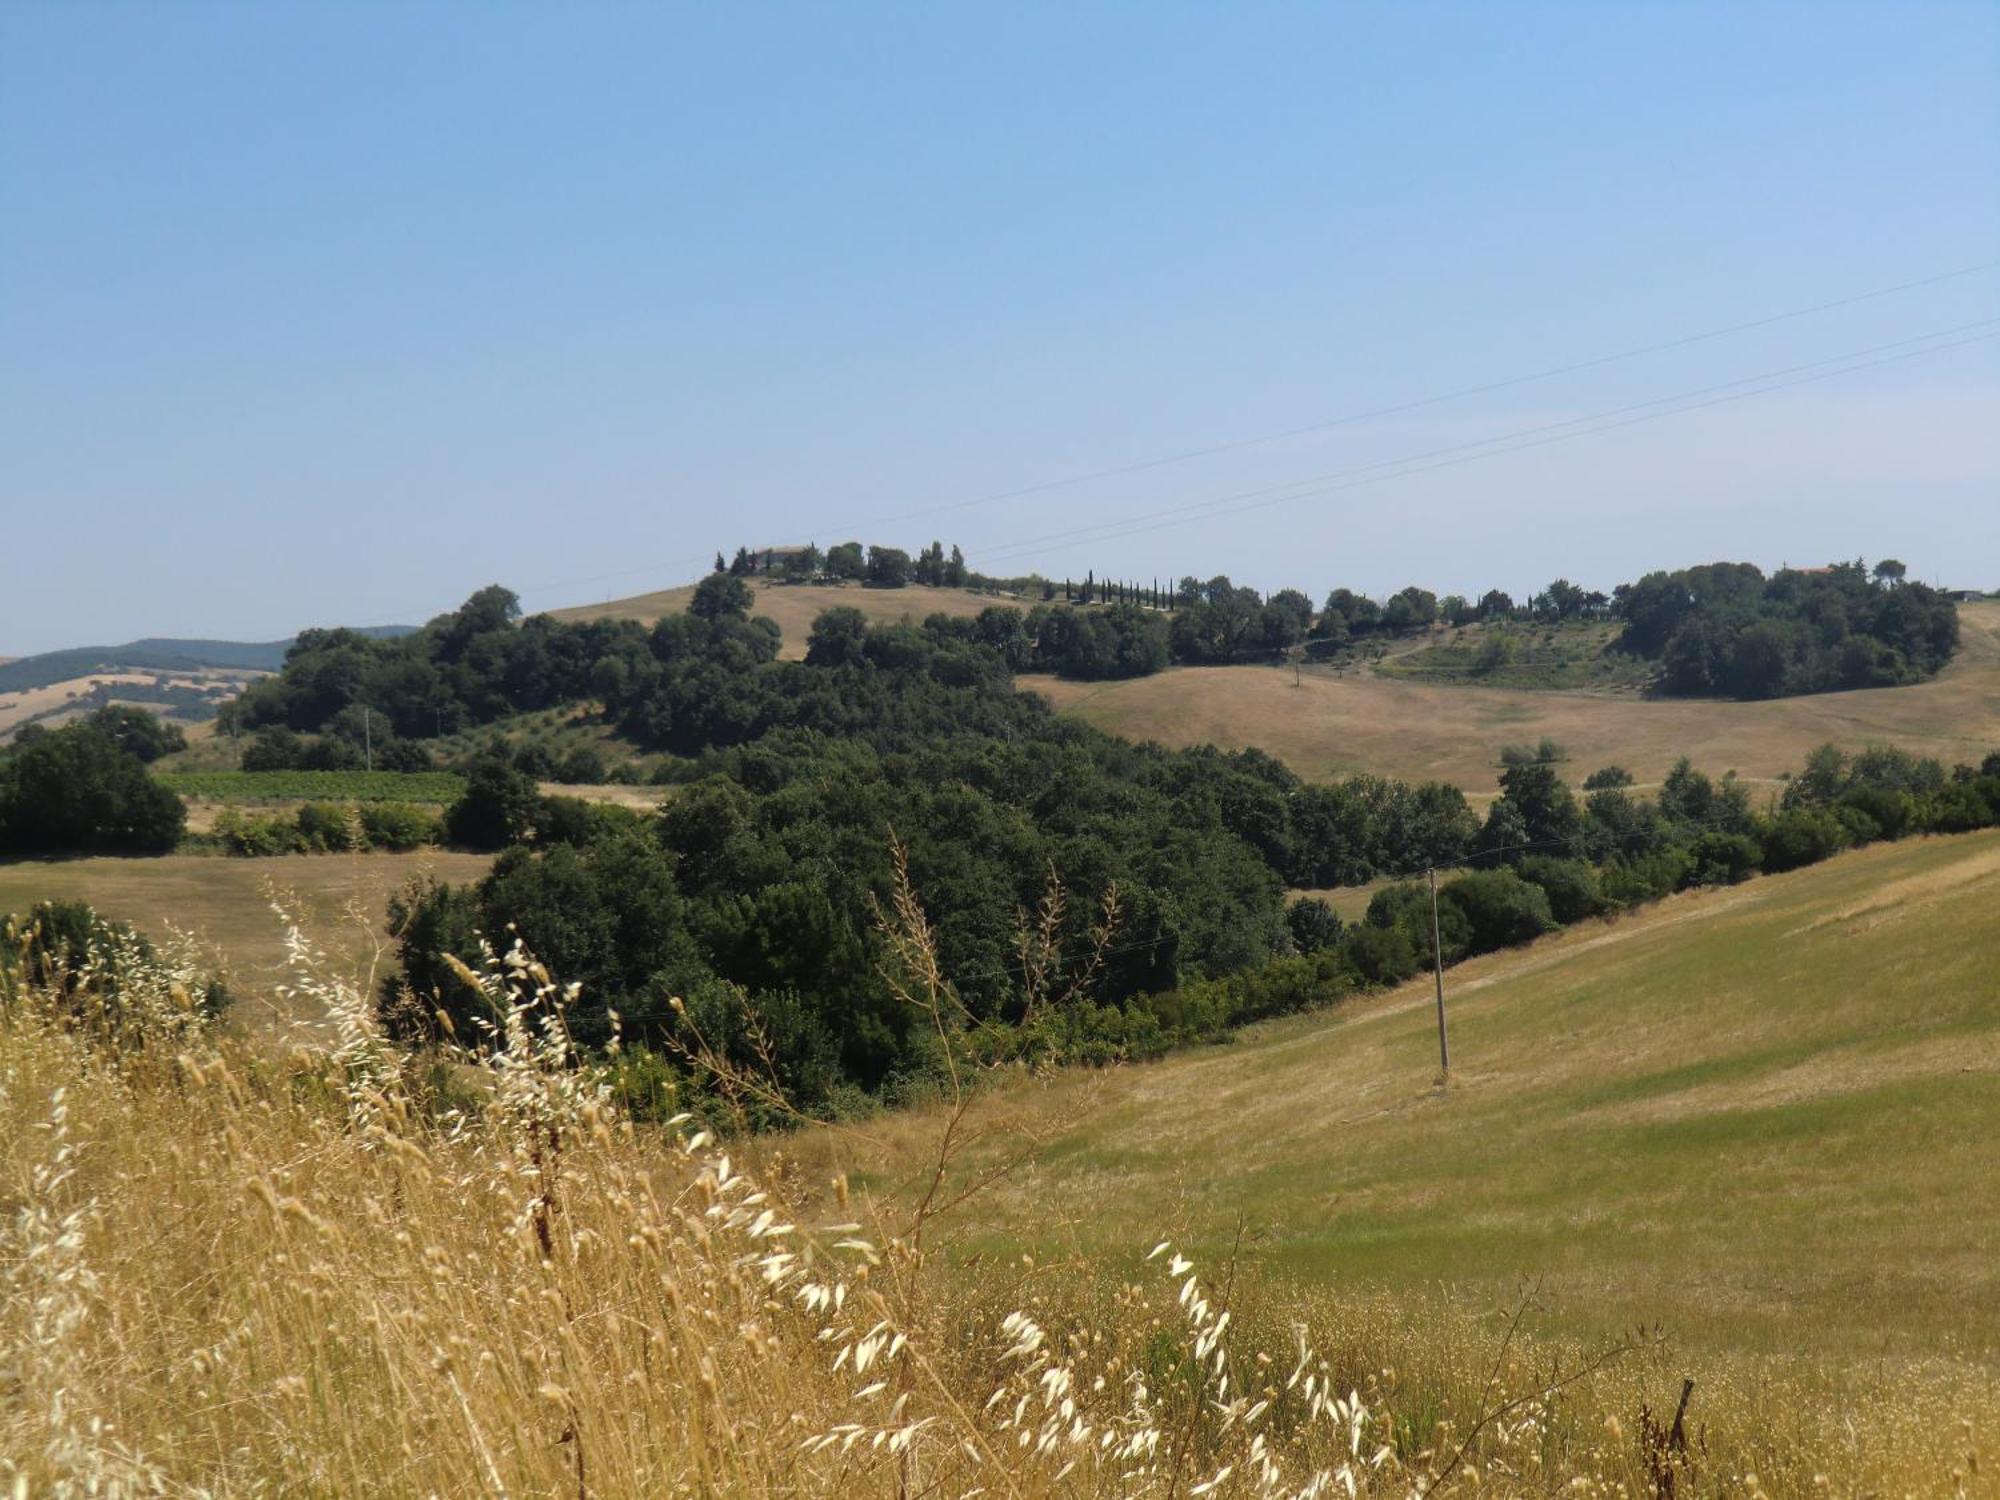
334,313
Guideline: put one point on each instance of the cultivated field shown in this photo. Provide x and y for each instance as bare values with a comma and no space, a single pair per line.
224,901
1761,1117
796,606
1330,725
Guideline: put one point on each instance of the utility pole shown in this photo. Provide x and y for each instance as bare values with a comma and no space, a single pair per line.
1437,959
367,737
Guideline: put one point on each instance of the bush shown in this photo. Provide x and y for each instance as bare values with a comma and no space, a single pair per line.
1631,879
249,834
1500,908
1722,859
583,766
1963,806
325,827
400,826
1314,924
1379,955
1805,837
1889,813
1407,908
403,755
1572,886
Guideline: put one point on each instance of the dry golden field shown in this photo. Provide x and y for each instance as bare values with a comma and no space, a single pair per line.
796,606
1759,1116
223,901
1333,726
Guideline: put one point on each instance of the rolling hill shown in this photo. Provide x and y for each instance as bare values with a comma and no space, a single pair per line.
1761,1117
796,606
1330,725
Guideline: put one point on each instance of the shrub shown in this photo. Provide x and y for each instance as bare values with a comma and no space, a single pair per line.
1890,812
1804,837
1314,924
400,826
583,766
249,834
1500,908
1407,908
325,827
1722,859
1572,886
1380,955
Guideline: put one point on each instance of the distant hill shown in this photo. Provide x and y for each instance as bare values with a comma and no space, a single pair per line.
153,654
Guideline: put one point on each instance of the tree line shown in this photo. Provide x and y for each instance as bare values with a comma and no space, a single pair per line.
745,917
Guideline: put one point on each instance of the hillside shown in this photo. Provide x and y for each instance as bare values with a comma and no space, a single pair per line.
1761,1117
796,606
1328,724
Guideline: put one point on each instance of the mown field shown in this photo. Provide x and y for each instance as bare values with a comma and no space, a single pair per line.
1326,725
1760,1117
227,904
796,606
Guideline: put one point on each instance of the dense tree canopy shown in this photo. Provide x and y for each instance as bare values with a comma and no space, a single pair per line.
1726,630
78,790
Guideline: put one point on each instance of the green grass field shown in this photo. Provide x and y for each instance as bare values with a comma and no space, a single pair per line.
1762,1118
438,787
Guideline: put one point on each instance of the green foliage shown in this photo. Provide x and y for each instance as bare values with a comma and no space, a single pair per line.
1725,629
1572,886
500,806
1313,924
77,790
1500,908
721,594
400,826
437,787
145,735
1804,836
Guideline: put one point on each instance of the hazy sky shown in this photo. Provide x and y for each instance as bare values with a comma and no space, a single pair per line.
316,314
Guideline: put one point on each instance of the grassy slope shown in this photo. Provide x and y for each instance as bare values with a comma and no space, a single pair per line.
796,606
1336,725
1762,1117
223,900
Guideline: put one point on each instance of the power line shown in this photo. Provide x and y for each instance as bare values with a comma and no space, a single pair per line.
1421,403
1239,444
1506,443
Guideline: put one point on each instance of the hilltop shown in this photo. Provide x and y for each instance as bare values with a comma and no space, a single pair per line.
794,606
